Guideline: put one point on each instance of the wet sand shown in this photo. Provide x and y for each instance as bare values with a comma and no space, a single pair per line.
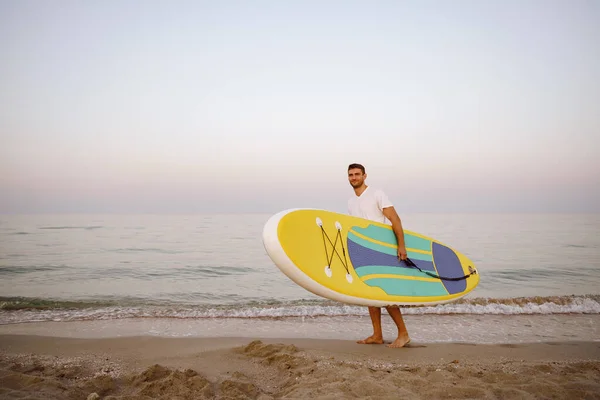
43,367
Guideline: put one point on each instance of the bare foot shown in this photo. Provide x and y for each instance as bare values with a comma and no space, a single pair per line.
401,341
371,340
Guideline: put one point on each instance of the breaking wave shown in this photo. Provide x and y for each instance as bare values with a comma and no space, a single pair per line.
19,310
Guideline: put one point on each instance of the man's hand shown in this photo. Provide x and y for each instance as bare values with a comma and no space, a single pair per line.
402,253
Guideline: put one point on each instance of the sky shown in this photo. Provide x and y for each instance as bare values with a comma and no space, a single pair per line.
259,106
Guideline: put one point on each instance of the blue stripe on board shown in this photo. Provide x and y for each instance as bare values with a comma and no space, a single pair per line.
367,270
387,236
387,250
448,265
361,256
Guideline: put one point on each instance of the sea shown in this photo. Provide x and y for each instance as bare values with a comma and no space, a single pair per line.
208,275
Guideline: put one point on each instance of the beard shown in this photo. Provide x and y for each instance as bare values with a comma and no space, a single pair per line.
356,184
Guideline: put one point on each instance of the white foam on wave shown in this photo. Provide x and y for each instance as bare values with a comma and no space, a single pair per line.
521,306
577,306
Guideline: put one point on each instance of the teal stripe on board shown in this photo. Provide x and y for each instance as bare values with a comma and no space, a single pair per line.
403,287
383,269
387,250
417,243
387,236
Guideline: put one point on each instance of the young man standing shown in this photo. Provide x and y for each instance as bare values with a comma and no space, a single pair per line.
374,205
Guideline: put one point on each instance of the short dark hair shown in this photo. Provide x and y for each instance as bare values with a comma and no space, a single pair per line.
355,165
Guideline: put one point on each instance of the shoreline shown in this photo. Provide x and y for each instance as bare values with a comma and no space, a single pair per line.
48,367
478,329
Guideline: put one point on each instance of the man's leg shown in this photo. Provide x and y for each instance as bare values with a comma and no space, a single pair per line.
377,337
403,338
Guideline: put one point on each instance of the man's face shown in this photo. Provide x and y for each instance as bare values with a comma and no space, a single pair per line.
356,177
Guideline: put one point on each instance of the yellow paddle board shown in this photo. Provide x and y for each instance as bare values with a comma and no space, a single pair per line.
354,260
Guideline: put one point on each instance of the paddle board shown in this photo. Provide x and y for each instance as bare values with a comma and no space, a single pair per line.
354,260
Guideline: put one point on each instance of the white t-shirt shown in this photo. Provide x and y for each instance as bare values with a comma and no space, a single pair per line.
370,205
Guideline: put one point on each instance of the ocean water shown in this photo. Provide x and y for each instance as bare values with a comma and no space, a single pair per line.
203,275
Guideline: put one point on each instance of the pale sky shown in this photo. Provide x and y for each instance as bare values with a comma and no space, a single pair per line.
258,106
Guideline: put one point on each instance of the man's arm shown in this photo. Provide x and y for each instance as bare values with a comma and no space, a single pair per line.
391,214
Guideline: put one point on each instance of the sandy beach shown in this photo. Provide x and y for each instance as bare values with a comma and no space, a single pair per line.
44,367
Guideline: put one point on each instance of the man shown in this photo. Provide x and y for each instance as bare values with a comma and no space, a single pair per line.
374,205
